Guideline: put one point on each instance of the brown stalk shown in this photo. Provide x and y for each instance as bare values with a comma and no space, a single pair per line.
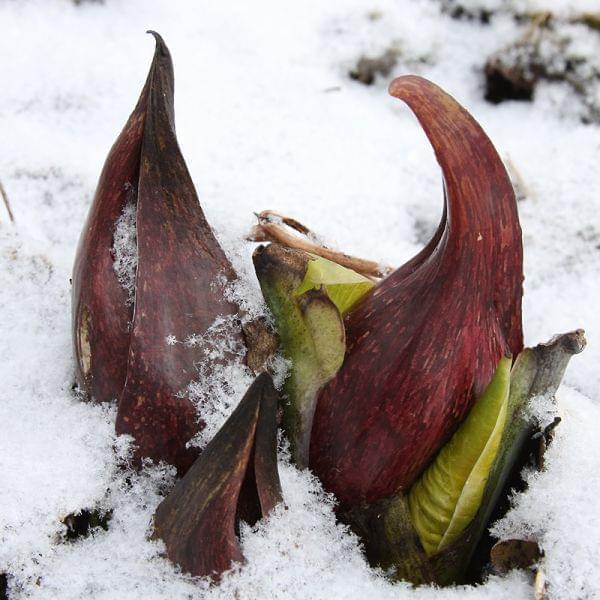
269,230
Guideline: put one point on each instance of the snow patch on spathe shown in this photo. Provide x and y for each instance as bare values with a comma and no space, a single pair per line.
124,249
222,377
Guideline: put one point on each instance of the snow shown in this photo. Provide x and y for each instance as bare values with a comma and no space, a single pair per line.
222,376
267,119
556,508
124,249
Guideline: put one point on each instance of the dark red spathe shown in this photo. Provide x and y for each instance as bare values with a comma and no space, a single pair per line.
426,341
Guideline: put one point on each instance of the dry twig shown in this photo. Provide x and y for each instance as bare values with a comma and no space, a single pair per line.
6,203
272,228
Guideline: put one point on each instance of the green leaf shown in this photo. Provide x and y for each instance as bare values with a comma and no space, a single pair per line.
311,332
343,286
448,495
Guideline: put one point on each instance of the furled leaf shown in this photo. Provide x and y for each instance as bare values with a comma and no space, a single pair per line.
343,286
311,332
386,526
234,477
537,371
448,494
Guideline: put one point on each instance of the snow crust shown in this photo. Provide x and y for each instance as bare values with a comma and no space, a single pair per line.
267,118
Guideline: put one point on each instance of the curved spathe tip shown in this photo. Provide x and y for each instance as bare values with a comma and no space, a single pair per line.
480,201
161,47
158,38
395,86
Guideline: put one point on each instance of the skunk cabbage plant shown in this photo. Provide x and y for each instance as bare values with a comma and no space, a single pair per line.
414,411
129,343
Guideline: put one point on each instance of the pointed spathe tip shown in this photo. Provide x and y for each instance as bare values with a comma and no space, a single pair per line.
161,46
157,36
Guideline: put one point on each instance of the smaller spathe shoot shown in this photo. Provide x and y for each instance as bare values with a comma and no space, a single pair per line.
235,478
144,273
448,495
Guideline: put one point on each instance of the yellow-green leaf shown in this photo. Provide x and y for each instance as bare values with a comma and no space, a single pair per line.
448,494
343,286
